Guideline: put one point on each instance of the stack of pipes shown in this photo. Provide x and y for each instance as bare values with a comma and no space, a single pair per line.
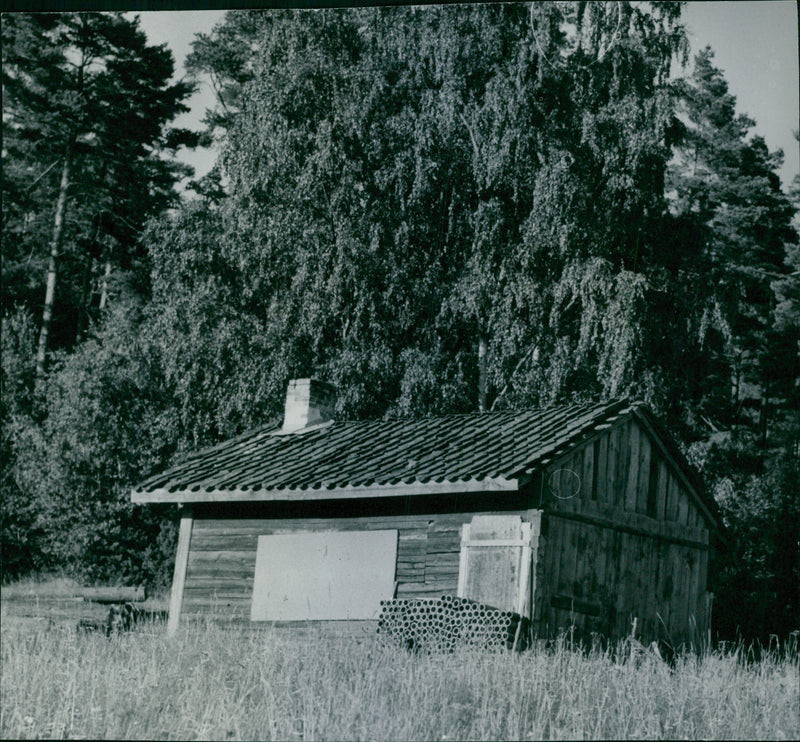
443,624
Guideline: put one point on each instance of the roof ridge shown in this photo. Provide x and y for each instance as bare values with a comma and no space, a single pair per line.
603,413
486,413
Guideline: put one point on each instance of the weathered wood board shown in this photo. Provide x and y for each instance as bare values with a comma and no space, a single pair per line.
222,563
631,543
495,562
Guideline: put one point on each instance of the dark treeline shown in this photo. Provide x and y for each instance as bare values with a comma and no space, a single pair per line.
438,209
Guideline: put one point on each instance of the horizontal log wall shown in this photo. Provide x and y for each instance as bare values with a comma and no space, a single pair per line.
623,538
219,577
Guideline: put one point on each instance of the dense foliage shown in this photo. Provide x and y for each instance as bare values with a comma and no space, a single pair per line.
439,210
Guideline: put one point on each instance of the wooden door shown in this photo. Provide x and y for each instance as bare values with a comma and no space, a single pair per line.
497,559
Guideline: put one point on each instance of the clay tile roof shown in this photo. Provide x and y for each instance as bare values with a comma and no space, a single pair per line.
470,452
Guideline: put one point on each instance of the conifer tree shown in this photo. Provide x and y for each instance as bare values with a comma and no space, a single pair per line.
724,181
744,413
86,107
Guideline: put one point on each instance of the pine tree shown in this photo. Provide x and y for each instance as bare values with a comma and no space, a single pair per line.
86,108
744,414
725,183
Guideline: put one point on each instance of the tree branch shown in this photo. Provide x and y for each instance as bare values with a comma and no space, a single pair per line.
44,173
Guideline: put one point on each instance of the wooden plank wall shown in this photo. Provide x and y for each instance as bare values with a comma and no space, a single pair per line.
629,543
219,576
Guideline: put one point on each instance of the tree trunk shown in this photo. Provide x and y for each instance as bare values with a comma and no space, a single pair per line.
763,420
83,311
104,285
481,374
734,408
52,268
86,293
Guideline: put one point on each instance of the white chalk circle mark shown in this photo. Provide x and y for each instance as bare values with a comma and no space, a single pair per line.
555,490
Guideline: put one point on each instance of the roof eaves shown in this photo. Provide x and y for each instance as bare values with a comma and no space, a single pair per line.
393,489
198,458
599,419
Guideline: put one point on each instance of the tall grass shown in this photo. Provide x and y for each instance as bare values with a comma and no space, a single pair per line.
211,683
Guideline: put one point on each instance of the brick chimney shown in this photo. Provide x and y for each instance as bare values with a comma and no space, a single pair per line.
308,402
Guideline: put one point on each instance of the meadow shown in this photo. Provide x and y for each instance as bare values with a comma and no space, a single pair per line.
212,682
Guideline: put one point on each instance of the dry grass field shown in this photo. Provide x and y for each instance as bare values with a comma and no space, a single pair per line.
208,682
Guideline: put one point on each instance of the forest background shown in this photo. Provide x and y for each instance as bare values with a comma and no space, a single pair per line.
439,209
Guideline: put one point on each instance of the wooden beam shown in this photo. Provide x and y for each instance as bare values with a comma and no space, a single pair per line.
536,531
623,528
524,571
525,541
576,605
488,484
179,577
463,561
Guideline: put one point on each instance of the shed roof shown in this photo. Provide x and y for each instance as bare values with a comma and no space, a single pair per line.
475,452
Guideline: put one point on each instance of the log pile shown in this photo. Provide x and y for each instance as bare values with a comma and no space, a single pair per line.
121,618
123,613
446,623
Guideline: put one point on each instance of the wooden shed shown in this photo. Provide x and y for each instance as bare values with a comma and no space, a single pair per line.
595,514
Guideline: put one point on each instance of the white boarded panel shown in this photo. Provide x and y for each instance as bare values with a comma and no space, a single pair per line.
325,575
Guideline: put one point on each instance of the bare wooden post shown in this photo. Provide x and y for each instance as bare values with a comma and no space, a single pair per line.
536,532
524,570
524,579
181,562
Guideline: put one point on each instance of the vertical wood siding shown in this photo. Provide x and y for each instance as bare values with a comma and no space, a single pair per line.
630,543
